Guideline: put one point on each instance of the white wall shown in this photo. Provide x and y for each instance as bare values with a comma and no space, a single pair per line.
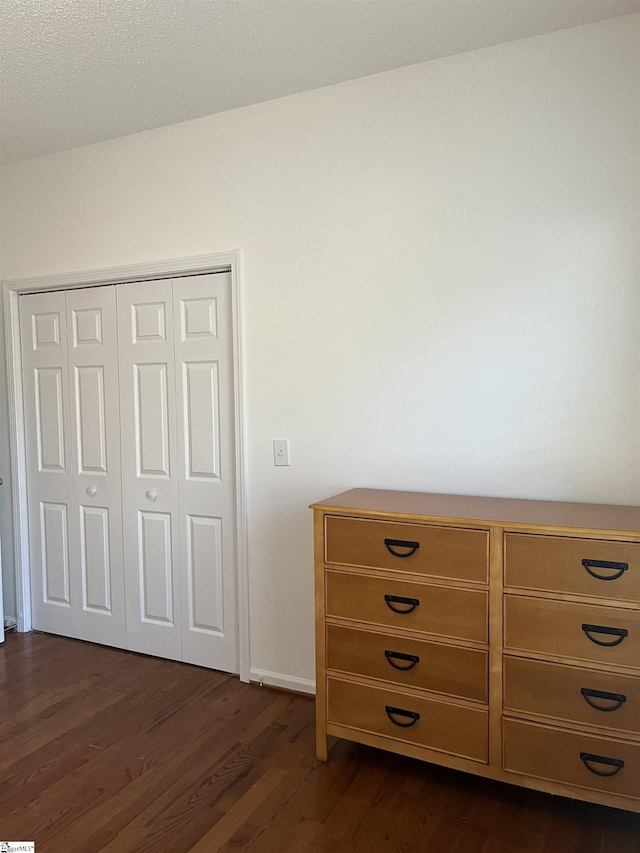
441,280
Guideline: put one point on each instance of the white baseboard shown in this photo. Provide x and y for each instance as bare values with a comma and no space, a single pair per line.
286,682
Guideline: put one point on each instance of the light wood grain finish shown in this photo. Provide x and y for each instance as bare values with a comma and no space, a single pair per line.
440,610
457,729
481,511
452,670
321,699
524,612
551,753
554,563
495,646
554,690
442,552
555,628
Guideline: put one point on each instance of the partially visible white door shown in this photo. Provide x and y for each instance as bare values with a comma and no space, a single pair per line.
73,466
43,321
206,470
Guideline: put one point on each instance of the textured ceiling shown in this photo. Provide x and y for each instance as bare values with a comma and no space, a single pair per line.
75,72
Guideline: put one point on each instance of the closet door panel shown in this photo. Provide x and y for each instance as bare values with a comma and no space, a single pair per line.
96,559
43,329
54,556
204,575
149,464
50,421
96,546
206,475
155,568
90,414
201,410
151,418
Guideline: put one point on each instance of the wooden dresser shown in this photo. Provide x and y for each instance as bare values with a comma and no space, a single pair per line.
500,637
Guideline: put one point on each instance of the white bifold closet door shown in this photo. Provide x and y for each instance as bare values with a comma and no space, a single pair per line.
131,470
70,386
176,396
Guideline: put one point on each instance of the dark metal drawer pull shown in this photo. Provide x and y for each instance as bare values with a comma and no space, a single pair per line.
620,569
620,633
618,698
587,759
411,603
401,543
414,716
393,656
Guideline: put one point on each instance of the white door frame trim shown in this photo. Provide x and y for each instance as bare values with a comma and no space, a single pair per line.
172,268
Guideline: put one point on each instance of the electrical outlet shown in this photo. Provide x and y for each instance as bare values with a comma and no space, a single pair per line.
281,451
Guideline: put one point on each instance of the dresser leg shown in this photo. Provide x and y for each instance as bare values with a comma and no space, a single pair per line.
322,746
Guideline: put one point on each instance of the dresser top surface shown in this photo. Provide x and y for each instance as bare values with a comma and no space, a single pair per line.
550,515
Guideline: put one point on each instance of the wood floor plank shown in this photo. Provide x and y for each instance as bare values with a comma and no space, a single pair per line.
104,750
353,809
140,777
240,812
113,767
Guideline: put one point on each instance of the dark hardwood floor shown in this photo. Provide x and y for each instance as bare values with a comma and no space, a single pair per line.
103,750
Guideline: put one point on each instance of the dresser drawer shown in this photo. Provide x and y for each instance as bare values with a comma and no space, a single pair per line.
573,758
438,725
572,630
402,605
416,663
573,694
444,552
580,566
